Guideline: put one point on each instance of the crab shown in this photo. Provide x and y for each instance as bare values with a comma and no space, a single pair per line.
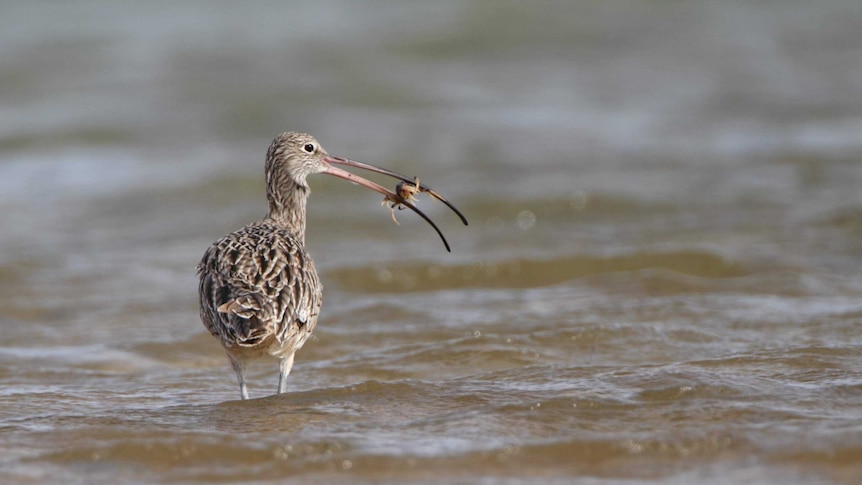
406,191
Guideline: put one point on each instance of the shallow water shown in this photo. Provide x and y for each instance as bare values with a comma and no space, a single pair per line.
660,282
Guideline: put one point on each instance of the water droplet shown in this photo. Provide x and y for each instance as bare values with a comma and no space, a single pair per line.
632,446
384,276
347,464
477,333
280,454
526,220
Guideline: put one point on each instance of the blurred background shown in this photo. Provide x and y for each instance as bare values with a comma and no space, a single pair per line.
661,280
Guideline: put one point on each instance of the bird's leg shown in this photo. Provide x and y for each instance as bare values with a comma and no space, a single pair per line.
284,371
239,368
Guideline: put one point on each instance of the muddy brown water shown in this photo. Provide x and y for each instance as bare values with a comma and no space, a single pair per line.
660,282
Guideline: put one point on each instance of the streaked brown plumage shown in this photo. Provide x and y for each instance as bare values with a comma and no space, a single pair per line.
259,291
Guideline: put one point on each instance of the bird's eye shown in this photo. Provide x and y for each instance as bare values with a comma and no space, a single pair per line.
309,147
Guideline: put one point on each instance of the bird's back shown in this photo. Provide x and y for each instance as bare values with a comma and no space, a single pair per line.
259,290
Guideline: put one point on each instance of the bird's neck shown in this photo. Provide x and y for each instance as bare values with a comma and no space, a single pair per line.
287,207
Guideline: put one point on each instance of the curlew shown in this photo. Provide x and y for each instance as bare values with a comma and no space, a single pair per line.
259,292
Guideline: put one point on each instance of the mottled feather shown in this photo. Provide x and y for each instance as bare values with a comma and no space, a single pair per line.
259,289
259,292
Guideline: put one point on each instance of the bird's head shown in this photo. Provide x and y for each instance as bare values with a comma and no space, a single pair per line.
294,156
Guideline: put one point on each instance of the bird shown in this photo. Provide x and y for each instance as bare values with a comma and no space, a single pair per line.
260,294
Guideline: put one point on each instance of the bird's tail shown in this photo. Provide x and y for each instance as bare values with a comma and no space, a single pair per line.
245,324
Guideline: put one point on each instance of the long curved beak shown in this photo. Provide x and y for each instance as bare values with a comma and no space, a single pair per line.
394,174
332,170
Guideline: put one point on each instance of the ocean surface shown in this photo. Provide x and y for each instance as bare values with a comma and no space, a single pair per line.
661,282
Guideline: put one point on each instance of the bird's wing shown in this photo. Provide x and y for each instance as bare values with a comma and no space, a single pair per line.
256,284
